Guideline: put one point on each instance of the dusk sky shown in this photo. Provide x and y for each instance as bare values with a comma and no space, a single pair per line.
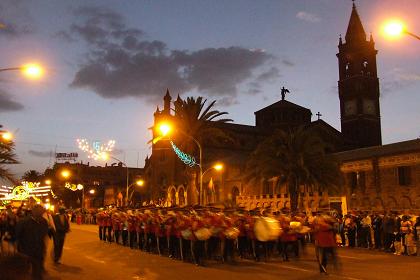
108,64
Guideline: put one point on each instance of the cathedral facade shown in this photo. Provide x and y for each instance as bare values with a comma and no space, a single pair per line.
376,176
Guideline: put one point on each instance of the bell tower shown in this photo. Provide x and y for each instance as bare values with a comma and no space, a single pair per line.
358,86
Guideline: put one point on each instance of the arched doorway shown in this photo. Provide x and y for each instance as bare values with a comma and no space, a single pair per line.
172,196
181,196
235,194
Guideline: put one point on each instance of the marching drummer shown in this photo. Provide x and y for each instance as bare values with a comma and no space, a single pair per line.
197,244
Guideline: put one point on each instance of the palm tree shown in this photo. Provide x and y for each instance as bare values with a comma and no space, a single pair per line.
296,158
32,176
198,122
7,156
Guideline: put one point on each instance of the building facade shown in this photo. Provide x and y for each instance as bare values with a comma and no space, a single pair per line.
109,183
376,176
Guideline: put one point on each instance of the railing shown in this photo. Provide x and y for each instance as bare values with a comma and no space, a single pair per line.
278,201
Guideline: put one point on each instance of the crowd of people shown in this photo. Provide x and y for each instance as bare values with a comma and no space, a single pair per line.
201,234
24,233
207,233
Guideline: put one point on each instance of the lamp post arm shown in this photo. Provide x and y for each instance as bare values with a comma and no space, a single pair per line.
127,186
10,69
412,34
200,193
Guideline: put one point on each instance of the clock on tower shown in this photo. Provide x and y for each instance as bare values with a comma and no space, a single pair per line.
358,86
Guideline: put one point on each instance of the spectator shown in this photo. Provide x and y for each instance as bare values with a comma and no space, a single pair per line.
31,233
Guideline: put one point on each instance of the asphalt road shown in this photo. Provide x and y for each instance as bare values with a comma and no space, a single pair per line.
85,257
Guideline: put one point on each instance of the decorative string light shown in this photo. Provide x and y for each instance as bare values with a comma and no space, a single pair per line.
24,191
184,157
95,150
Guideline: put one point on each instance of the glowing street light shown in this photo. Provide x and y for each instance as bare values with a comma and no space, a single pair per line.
92,191
65,173
48,182
31,70
139,183
7,136
396,28
218,166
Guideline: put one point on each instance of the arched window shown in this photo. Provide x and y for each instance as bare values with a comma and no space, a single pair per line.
235,194
347,69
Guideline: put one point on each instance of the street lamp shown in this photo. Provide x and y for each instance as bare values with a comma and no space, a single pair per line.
105,156
6,135
139,183
65,174
31,70
165,129
396,28
218,167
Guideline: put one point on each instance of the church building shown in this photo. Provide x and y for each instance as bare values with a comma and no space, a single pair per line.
376,176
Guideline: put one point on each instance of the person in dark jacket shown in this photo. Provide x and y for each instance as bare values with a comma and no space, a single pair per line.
62,227
31,234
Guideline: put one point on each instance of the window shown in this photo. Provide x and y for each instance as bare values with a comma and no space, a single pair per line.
162,156
357,179
352,180
404,175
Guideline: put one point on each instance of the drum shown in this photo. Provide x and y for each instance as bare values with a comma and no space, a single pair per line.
186,234
267,229
232,233
295,226
202,234
215,231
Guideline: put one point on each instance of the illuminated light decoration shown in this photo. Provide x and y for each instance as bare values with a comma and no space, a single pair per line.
95,150
74,187
184,157
25,191
53,194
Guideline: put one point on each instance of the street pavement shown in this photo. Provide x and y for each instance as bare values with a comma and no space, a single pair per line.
85,257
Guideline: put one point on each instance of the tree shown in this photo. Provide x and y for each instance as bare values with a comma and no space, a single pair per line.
297,158
32,176
7,156
194,120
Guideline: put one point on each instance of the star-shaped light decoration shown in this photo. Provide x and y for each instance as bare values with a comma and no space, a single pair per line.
95,149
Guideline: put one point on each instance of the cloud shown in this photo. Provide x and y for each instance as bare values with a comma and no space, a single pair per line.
305,16
122,63
7,103
269,75
287,62
41,154
397,79
227,101
15,19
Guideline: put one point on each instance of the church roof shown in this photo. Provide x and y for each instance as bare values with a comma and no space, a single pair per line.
355,30
327,126
283,104
377,151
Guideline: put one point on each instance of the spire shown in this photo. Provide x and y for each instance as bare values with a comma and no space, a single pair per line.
371,38
355,31
167,102
167,95
340,41
157,110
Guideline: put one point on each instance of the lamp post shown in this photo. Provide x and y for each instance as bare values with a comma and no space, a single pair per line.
165,129
139,183
66,174
33,71
217,167
106,156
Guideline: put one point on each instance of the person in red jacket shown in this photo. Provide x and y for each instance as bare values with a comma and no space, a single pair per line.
325,241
